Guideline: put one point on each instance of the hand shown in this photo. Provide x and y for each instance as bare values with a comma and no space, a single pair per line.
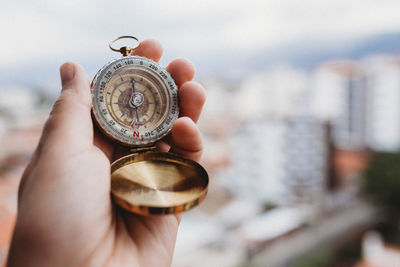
65,214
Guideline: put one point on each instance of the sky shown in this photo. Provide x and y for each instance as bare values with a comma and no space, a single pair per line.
42,34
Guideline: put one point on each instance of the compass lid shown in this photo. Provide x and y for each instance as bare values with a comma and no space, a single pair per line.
157,183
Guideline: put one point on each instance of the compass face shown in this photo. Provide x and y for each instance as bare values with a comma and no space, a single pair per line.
134,101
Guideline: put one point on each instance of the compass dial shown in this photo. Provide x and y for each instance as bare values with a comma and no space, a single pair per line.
134,101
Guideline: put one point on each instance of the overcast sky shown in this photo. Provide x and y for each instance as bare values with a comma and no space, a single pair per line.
51,32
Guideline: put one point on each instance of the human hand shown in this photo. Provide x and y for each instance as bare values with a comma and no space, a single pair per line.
65,213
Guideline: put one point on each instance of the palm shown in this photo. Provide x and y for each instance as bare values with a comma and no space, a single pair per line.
148,241
124,238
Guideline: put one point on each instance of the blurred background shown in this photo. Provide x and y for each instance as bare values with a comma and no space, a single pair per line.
301,125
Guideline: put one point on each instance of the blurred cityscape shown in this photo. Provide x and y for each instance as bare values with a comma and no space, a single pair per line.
286,150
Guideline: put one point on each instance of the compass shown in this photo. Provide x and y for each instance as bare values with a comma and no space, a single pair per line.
135,103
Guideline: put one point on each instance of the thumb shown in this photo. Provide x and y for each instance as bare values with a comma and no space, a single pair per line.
68,129
69,123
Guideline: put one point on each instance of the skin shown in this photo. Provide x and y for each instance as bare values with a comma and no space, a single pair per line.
65,214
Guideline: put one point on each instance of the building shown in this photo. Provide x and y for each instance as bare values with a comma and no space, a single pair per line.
280,161
339,96
383,102
376,253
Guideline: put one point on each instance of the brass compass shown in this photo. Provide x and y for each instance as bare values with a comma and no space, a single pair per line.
135,103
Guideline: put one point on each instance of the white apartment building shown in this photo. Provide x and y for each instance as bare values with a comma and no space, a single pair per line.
338,95
383,102
280,161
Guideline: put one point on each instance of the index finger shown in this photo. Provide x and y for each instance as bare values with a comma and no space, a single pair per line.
149,48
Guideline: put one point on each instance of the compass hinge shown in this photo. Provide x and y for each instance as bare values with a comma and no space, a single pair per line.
143,149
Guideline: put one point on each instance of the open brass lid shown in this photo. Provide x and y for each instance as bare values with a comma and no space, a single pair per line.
157,183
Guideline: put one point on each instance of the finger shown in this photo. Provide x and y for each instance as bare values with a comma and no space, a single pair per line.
186,139
181,70
149,48
163,146
70,123
104,144
192,97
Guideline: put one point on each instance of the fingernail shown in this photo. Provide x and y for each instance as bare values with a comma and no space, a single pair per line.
67,73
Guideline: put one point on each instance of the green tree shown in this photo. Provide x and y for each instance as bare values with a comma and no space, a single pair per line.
381,180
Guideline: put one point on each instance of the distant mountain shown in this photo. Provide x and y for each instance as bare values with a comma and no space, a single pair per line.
382,43
308,54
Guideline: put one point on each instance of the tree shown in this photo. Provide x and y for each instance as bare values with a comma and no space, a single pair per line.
381,180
